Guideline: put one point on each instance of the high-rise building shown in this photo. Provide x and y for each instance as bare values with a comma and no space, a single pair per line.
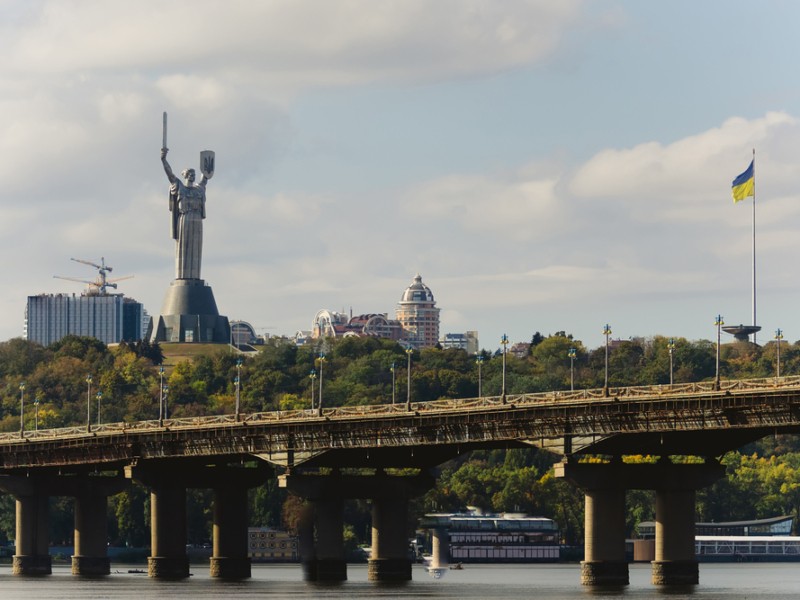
418,315
110,318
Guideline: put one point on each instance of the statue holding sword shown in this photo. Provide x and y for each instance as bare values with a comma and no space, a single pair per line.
187,203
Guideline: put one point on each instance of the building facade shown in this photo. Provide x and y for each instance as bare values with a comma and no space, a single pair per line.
418,315
109,318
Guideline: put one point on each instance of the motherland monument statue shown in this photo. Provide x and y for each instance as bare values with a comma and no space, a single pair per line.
189,313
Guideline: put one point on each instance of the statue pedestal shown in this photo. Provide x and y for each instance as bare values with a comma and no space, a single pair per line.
189,314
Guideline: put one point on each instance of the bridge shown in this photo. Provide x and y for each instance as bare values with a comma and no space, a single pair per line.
232,453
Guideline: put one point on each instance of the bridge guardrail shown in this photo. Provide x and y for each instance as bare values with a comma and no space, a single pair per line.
539,398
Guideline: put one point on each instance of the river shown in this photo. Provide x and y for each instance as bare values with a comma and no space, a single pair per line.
772,581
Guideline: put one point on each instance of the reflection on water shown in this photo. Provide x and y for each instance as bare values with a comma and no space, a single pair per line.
775,581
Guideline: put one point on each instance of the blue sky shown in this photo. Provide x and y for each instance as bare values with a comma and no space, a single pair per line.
544,166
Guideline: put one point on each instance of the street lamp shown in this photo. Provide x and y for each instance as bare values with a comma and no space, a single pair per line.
238,387
321,360
572,353
607,333
778,338
719,323
671,348
504,342
165,390
99,397
22,409
36,414
313,377
409,352
161,396
479,362
89,402
392,369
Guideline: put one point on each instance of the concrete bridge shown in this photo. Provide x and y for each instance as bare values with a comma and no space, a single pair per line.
230,454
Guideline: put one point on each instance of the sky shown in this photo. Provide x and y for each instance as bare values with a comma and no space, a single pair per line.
544,166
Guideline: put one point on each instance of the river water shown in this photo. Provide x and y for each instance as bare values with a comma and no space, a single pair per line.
772,581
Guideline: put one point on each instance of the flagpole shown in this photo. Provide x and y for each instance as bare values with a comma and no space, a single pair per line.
754,244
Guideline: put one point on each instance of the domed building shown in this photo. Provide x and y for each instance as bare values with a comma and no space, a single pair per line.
418,315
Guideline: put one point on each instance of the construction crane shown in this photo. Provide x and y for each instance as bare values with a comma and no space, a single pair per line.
99,285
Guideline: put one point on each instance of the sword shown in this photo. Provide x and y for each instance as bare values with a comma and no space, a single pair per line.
164,133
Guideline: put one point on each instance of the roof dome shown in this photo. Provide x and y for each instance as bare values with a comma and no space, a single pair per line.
417,292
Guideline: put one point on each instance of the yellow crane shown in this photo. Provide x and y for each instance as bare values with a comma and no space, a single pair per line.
99,285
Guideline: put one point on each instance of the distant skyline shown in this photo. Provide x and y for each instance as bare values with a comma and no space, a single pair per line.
545,166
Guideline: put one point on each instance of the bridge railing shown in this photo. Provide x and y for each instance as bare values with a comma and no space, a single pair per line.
559,397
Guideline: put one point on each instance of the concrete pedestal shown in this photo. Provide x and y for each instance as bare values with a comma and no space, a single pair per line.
229,559
604,562
189,314
91,536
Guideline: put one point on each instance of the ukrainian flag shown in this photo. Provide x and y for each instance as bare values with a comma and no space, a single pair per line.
745,184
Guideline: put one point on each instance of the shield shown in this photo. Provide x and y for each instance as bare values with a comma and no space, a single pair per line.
207,163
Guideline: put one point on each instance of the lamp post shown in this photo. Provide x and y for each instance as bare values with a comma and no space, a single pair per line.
504,342
607,333
238,387
671,348
392,369
22,409
778,338
479,362
572,353
719,323
36,414
161,395
321,361
165,389
313,377
89,402
99,397
409,352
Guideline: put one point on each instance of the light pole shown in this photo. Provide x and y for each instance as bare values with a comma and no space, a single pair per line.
479,362
409,352
22,409
778,338
166,400
99,397
238,387
313,376
89,402
161,395
392,369
36,414
572,353
321,360
607,333
504,342
671,348
719,323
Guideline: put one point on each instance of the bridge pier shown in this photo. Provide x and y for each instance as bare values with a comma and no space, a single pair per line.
605,485
440,551
32,556
229,558
168,558
389,494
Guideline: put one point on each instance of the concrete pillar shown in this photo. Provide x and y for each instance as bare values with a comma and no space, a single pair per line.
229,559
390,557
91,536
440,547
168,558
604,546
329,521
675,561
32,555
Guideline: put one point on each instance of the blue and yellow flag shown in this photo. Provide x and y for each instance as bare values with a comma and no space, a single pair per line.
745,184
